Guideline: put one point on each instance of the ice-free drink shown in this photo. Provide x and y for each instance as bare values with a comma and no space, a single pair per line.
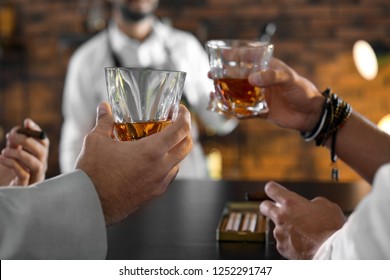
231,63
136,130
239,95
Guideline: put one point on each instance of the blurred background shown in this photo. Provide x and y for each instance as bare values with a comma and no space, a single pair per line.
316,37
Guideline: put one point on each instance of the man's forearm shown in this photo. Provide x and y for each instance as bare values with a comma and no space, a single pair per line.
362,146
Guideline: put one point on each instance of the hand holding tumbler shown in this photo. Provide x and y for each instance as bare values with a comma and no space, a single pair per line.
231,63
143,100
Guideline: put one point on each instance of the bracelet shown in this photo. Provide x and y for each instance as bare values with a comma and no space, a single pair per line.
335,113
339,112
310,136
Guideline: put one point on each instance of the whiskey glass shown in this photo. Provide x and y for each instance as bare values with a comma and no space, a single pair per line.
231,62
143,100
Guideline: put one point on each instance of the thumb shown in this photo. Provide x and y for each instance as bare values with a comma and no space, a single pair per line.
277,73
29,123
104,119
270,77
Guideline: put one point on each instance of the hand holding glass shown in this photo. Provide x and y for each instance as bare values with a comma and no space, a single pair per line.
143,100
231,62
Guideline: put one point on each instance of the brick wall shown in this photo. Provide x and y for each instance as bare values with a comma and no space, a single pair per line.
313,36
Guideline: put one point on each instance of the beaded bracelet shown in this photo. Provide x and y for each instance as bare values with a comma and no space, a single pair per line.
334,115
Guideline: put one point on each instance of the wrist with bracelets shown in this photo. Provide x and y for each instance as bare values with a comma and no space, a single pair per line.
335,113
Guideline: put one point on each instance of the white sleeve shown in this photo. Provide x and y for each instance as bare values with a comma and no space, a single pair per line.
366,234
60,218
79,111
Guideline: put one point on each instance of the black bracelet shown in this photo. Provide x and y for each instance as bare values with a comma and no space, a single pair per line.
335,113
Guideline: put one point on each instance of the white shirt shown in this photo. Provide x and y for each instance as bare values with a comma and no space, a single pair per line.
366,234
165,48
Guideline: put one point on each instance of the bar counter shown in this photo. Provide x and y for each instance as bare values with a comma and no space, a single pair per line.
181,224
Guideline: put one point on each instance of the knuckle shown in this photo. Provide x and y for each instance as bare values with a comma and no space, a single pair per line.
280,219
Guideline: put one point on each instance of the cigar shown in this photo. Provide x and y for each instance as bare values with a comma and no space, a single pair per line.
256,196
230,222
245,223
32,133
234,221
237,221
261,223
252,222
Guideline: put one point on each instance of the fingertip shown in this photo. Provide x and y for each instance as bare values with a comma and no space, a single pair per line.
103,109
274,190
261,207
264,207
210,75
255,79
27,122
269,186
183,111
104,119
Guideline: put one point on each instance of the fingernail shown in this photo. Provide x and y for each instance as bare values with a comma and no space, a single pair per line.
102,109
26,123
255,78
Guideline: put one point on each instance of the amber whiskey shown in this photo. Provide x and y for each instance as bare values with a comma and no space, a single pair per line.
136,130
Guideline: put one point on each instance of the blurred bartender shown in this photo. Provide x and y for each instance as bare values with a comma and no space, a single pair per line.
136,38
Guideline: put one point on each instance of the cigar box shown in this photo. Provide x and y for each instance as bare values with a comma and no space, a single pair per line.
241,221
